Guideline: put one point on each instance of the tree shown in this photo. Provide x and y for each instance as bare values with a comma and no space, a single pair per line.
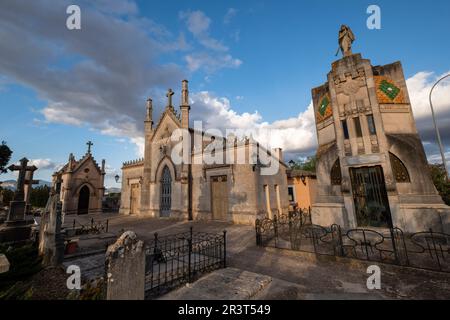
39,196
8,196
5,156
440,181
308,165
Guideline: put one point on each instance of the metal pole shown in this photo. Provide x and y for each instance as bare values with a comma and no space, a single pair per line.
441,148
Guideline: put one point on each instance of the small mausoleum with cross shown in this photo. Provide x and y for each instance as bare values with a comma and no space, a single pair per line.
81,184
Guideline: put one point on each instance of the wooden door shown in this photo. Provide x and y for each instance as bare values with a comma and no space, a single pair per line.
134,198
219,197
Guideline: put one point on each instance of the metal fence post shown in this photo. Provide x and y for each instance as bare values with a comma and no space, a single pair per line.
258,232
394,247
224,248
275,229
74,221
189,258
435,250
107,225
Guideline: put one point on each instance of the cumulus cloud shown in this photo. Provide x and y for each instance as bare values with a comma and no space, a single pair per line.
98,76
215,55
43,164
295,135
209,63
419,87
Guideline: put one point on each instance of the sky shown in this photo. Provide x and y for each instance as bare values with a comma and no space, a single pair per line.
250,64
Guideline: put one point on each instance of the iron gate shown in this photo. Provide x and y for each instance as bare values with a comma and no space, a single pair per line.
370,197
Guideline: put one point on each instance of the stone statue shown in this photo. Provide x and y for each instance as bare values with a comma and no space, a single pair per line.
346,38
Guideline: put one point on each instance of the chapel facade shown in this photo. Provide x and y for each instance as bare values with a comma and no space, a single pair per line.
81,184
160,186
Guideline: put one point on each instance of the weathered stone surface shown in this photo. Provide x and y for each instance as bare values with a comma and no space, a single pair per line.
224,284
51,242
4,264
125,268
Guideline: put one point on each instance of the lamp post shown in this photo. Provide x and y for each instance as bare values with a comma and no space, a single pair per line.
441,148
117,177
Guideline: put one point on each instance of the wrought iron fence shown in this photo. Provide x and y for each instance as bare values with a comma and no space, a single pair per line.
176,259
92,227
426,250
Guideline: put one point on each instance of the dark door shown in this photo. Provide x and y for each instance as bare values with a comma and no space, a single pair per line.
370,197
83,201
166,193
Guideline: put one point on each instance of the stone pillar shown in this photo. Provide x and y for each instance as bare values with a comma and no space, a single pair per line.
185,105
145,185
125,268
51,242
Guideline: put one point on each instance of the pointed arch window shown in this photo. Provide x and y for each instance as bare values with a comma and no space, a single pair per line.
336,175
399,169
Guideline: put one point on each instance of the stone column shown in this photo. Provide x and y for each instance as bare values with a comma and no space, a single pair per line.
51,241
125,268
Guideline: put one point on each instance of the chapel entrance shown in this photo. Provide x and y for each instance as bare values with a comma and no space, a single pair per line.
219,197
370,197
134,198
166,193
83,200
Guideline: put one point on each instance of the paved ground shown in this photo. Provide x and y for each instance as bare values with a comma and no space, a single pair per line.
293,275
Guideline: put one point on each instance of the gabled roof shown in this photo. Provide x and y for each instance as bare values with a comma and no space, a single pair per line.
170,112
78,164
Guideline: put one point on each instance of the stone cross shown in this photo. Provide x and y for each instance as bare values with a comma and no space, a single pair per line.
169,95
22,168
28,187
89,144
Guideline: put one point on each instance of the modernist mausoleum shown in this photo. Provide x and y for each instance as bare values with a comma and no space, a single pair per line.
371,169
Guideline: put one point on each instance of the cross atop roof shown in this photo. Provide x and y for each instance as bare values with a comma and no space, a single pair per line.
89,144
169,95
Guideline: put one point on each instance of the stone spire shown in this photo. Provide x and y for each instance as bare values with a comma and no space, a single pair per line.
184,104
184,93
71,162
149,116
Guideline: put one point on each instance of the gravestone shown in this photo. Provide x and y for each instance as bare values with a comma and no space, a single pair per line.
51,242
125,268
4,264
16,227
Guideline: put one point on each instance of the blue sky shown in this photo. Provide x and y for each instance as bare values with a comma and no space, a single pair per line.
249,63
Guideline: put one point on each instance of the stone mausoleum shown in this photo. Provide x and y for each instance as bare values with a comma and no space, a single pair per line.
371,168
161,187
81,183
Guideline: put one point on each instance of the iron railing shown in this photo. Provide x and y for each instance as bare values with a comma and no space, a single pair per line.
425,250
92,227
182,258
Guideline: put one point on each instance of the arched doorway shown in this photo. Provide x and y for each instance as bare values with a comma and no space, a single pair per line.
166,193
83,200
